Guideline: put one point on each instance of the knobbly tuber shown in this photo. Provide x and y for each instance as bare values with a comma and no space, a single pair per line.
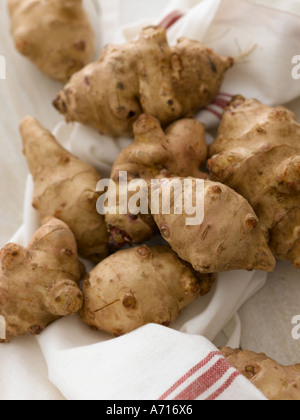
41,283
147,76
181,150
276,382
54,34
65,188
139,286
257,153
229,238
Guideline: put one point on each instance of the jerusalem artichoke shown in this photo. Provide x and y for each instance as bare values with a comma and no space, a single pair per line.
139,286
65,188
56,35
181,150
146,76
257,153
275,381
39,284
229,237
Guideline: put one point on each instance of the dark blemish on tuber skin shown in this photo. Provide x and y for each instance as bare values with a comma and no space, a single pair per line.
118,238
131,115
261,130
170,102
60,105
120,86
87,280
65,160
129,302
118,333
165,231
80,45
251,223
212,65
133,217
205,90
205,233
87,81
216,189
143,251
67,252
36,330
250,371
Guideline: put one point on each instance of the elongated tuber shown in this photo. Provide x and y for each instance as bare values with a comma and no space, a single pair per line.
139,286
54,34
181,150
276,382
65,187
257,153
41,283
228,238
146,76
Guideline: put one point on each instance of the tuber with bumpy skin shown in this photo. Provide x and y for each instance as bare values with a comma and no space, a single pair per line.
146,76
139,286
65,187
257,153
181,150
229,237
39,284
276,382
54,34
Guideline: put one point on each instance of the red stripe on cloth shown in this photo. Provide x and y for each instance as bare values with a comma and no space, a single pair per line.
213,111
226,94
189,374
172,18
204,382
223,388
222,103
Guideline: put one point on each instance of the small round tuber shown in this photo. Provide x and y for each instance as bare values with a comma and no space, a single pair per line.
257,153
276,382
181,150
65,188
146,76
41,283
54,34
228,238
139,286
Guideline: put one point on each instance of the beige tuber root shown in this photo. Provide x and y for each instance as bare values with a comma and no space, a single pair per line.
257,153
39,284
147,76
229,238
181,150
276,382
139,286
65,188
54,34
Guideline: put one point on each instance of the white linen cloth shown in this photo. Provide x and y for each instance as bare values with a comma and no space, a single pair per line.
146,363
